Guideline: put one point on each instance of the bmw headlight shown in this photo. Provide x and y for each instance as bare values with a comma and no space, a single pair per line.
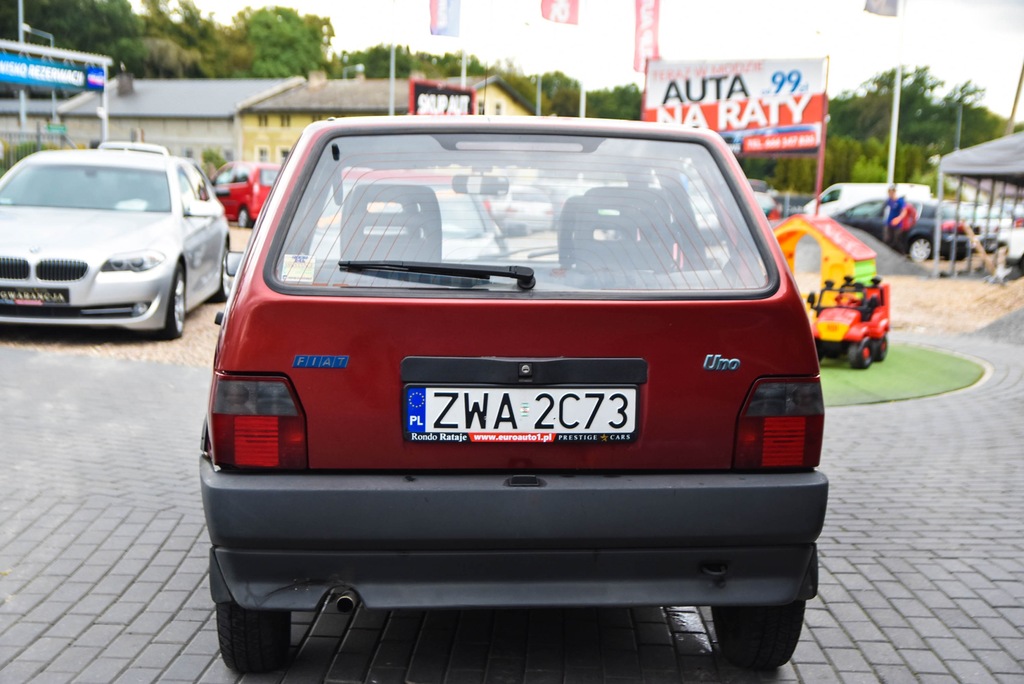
135,262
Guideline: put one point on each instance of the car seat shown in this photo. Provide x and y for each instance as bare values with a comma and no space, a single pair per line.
391,222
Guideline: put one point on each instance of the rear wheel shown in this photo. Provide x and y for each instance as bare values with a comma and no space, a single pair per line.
244,220
253,640
758,637
880,348
859,354
920,249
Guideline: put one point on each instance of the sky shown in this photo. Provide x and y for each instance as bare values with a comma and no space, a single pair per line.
981,41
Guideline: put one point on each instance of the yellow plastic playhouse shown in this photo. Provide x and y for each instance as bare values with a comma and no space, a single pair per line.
841,253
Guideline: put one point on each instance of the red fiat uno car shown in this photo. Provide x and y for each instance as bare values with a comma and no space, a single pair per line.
411,409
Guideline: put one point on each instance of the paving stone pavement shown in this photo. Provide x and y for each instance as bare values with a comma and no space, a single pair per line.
103,553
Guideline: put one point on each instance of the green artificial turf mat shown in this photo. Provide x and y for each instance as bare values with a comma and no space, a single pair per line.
907,372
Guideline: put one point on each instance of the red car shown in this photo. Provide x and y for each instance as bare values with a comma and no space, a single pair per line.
242,187
624,410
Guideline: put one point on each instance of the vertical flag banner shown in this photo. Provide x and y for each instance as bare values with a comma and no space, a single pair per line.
760,107
886,8
444,18
646,33
561,11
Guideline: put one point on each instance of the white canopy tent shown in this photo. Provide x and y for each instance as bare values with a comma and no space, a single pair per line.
1001,160
994,168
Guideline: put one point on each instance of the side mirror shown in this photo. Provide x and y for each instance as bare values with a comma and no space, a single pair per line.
200,209
233,262
811,300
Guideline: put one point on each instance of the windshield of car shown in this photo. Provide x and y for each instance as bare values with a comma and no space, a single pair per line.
621,215
71,186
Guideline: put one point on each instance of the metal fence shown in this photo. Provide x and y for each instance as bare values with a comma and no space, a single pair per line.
15,145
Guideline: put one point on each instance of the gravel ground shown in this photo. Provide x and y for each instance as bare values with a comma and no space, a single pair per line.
921,304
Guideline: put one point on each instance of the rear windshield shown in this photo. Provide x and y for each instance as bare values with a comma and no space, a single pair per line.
609,217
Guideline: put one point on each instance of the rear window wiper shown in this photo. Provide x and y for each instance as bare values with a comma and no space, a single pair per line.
523,275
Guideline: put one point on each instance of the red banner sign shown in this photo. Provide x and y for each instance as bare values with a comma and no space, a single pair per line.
437,98
760,107
561,11
646,33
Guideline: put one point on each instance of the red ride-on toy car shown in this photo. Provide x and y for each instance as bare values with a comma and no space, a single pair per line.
852,319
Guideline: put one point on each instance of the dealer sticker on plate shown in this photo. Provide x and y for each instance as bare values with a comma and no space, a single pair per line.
523,415
33,296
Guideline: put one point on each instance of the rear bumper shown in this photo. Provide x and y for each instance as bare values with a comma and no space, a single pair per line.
282,542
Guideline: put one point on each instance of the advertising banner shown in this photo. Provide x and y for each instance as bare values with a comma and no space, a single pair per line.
437,98
444,18
646,43
561,11
43,74
764,107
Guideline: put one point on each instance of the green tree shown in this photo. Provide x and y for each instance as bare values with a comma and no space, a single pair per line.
562,93
102,27
284,43
212,160
620,102
376,60
181,42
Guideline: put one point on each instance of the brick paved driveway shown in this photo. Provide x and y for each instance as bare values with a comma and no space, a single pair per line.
103,553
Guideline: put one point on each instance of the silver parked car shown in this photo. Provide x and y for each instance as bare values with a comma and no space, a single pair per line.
127,238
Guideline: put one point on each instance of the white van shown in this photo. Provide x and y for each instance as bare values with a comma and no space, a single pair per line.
842,196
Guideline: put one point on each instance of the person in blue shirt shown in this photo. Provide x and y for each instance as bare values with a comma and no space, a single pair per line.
897,207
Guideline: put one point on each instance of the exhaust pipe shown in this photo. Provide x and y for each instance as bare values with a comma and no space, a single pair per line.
347,602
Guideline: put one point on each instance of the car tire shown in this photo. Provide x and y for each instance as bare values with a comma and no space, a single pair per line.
758,637
224,285
253,640
880,349
920,249
860,354
174,312
244,220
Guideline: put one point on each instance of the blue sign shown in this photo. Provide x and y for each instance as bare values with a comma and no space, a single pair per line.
43,74
416,409
319,361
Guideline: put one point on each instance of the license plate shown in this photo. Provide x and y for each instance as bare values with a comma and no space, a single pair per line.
520,415
34,296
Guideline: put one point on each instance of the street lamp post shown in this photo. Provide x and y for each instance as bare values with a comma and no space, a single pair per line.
21,92
44,34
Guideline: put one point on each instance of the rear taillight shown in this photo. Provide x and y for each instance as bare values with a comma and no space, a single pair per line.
256,423
781,425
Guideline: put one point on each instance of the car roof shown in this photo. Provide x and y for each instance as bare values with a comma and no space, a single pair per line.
112,157
522,124
129,146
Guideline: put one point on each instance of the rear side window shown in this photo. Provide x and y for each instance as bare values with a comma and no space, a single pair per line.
268,176
628,217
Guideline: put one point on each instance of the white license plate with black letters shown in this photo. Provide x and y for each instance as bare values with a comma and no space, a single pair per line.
536,415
